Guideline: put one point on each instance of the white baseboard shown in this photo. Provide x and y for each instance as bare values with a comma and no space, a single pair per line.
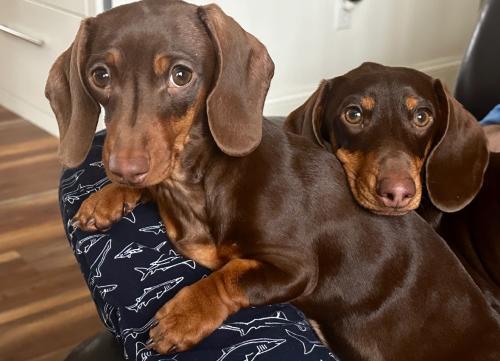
445,69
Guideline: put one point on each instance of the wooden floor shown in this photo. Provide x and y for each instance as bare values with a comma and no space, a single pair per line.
45,307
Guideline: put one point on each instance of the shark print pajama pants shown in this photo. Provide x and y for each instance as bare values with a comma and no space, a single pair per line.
132,270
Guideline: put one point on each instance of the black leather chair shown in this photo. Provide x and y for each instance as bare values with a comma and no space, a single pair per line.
102,347
478,83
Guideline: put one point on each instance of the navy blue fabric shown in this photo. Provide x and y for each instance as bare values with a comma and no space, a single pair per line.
493,117
132,270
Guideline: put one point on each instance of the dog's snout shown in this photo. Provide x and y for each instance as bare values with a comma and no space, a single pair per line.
132,170
396,192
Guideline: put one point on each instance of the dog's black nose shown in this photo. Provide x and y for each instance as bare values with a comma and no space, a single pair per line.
396,192
131,170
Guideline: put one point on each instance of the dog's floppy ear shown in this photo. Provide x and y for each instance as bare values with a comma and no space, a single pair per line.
76,111
306,120
456,165
244,73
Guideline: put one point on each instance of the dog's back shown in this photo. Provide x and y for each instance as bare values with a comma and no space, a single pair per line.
375,281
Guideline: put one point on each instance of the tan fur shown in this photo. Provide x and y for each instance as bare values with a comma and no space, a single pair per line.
113,57
317,330
411,103
208,303
368,103
160,64
362,171
361,175
107,206
171,226
181,128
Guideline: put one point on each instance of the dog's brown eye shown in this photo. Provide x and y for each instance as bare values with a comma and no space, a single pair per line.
101,77
422,118
181,75
353,115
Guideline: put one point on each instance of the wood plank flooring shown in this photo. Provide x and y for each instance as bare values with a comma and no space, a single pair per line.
45,306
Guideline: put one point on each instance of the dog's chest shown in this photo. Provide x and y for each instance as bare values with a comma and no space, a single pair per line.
183,210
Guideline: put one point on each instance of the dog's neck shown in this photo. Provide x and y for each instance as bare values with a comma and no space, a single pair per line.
199,151
182,200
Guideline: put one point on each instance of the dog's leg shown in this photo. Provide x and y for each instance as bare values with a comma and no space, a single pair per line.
199,309
105,207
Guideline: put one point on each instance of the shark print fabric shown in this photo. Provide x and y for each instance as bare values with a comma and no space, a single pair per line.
132,270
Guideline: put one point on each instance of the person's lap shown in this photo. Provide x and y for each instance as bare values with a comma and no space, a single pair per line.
132,270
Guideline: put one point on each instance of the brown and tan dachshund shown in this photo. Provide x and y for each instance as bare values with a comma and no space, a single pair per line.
269,212
406,144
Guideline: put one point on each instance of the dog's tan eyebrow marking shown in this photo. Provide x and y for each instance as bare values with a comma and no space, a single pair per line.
160,64
112,57
411,102
368,102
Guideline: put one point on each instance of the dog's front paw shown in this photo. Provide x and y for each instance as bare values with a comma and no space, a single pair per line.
194,313
106,206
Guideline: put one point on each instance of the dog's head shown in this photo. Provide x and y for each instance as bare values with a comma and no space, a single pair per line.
158,68
394,129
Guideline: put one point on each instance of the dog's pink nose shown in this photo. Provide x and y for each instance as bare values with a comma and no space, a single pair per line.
132,170
396,192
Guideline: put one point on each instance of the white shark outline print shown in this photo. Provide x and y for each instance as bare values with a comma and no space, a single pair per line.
160,246
252,348
104,290
95,271
85,244
142,353
130,216
278,319
134,248
307,344
149,294
69,225
75,195
98,164
130,250
134,332
163,264
106,317
71,180
156,229
333,356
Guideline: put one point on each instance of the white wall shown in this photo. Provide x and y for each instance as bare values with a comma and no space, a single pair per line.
430,35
